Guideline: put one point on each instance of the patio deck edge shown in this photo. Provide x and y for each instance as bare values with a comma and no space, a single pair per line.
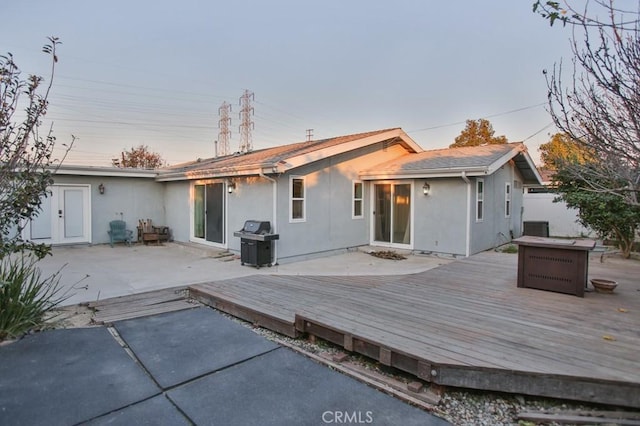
254,316
609,392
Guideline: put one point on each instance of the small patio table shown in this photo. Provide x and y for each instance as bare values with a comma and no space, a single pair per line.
553,264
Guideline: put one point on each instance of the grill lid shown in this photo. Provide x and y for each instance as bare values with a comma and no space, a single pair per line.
256,227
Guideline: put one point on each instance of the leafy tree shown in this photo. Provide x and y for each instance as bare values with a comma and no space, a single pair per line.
139,157
562,150
598,106
477,132
26,156
607,214
26,167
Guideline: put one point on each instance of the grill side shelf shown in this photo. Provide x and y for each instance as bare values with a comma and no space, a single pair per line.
256,237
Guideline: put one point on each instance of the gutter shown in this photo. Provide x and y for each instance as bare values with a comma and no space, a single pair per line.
274,226
464,177
450,172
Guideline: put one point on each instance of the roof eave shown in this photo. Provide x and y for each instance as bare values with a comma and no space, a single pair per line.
310,157
253,170
451,172
103,171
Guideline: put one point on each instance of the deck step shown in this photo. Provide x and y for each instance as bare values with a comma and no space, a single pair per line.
140,305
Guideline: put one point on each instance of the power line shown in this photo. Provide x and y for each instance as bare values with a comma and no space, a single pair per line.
539,131
457,123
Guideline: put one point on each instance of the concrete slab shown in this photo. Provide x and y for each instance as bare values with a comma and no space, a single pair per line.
181,346
68,376
98,272
285,388
157,411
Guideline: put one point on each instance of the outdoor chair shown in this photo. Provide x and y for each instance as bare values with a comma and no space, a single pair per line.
118,232
148,232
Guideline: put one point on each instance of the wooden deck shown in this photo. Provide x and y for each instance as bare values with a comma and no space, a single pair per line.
464,324
107,311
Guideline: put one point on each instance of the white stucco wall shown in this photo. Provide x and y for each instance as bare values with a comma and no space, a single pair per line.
562,220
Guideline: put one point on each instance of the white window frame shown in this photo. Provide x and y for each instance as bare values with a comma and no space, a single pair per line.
354,200
303,199
507,199
480,200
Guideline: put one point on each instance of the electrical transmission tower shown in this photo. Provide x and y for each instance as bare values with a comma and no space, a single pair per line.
246,125
225,133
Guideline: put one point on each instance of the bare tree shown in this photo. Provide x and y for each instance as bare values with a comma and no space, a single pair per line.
599,104
26,156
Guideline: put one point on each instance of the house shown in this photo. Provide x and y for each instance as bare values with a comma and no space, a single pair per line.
474,195
377,188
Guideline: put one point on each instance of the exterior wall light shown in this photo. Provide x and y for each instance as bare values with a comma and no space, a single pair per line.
101,189
231,187
426,188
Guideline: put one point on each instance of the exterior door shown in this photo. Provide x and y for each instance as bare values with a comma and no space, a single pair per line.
208,212
392,214
65,216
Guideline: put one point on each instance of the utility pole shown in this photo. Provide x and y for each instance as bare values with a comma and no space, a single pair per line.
246,125
224,133
309,135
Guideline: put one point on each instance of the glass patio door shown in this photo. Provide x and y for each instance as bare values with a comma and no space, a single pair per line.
392,214
208,212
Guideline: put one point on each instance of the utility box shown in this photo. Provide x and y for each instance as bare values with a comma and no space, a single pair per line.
536,228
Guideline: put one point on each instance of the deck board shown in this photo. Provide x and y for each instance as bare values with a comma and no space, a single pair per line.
468,323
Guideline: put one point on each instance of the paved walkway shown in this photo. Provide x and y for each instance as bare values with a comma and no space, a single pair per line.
187,367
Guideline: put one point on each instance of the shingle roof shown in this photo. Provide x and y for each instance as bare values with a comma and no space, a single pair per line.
270,157
475,159
464,157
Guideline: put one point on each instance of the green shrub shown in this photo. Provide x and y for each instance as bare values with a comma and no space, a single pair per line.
25,295
510,248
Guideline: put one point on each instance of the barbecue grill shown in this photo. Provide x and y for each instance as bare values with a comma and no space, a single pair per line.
256,243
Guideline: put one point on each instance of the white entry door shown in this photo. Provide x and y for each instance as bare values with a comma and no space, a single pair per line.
65,216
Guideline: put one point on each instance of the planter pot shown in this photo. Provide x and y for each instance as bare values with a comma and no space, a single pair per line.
603,286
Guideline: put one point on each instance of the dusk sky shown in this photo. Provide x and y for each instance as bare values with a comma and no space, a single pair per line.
155,73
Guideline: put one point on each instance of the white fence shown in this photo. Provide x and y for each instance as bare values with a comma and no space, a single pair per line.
562,220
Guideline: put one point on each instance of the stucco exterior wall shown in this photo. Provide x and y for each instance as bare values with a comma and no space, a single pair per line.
177,201
440,217
124,198
496,229
252,199
329,224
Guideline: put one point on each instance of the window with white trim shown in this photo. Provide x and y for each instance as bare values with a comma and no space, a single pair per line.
479,200
297,202
357,199
507,199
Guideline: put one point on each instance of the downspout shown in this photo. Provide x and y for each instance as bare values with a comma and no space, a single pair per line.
468,230
274,221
